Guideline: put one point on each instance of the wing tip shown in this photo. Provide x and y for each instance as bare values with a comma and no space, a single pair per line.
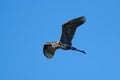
46,50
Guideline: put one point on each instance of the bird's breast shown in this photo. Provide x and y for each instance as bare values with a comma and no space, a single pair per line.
64,47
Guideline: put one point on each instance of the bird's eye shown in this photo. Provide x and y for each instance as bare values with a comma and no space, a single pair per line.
60,43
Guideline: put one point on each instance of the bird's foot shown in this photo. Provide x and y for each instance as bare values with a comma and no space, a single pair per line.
83,51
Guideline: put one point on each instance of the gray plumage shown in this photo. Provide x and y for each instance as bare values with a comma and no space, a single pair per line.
65,42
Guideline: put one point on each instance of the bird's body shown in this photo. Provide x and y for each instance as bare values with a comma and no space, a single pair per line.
65,42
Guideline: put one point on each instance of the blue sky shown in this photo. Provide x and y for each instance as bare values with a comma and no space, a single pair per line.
25,25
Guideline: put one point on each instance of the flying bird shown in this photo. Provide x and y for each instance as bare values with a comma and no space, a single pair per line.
65,42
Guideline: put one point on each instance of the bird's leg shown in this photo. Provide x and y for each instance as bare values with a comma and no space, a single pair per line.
73,48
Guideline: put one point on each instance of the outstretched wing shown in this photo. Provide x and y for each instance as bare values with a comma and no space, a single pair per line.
48,50
69,28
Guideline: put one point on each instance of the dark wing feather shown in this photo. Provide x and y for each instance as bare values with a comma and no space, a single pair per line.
48,50
69,28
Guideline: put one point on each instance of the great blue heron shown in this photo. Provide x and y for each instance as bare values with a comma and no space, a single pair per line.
65,42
